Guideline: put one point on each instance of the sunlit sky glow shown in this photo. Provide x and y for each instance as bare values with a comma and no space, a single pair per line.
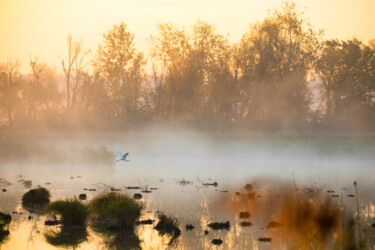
40,27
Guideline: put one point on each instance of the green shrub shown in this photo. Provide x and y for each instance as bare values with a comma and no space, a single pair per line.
120,209
36,197
72,211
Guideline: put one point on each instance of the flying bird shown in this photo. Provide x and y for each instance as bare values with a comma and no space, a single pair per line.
122,156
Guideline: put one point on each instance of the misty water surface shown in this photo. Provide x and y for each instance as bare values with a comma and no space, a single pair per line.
162,159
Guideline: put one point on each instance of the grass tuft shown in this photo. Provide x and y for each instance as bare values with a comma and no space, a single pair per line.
72,211
120,209
36,197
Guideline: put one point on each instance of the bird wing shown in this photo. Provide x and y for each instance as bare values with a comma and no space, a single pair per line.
119,154
125,155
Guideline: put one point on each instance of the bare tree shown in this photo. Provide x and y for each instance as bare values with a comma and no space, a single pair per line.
73,68
9,88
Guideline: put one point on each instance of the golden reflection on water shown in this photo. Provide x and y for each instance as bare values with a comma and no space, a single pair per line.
309,218
305,218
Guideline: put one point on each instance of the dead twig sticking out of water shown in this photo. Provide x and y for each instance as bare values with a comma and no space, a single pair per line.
358,214
102,186
207,184
144,189
184,182
294,182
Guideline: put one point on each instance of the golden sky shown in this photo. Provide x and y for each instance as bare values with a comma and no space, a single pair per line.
40,27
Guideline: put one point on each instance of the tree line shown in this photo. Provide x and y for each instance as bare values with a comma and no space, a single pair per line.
281,74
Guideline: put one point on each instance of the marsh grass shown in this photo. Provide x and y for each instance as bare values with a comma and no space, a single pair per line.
72,211
118,209
35,199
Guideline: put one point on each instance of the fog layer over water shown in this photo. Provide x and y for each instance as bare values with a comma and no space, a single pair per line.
162,157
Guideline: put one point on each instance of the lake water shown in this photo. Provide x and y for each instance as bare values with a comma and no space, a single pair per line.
272,172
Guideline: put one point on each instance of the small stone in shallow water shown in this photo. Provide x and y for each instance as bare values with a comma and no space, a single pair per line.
265,239
82,197
217,241
237,193
205,232
189,227
219,225
4,190
137,196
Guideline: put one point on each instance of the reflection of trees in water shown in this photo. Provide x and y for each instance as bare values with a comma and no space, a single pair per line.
5,220
35,209
236,237
4,235
307,218
115,238
67,236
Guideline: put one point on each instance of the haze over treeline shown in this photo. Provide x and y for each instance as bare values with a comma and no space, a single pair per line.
282,74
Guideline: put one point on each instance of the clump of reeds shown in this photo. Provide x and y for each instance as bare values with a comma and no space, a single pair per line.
71,211
36,197
115,208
